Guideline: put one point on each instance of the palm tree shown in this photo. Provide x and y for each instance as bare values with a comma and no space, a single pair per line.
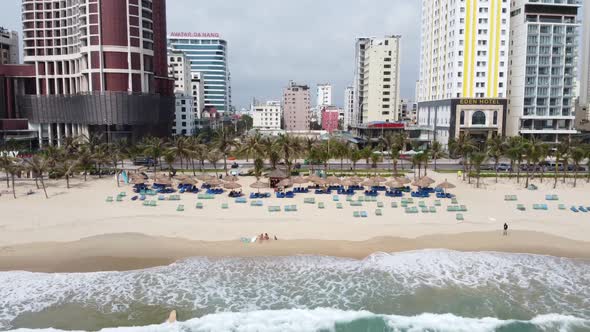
12,168
38,165
514,152
395,157
577,154
289,147
532,151
102,157
213,157
258,166
587,147
401,140
477,159
253,146
543,153
563,150
387,143
375,158
417,163
114,156
366,154
181,149
5,163
224,142
495,150
437,152
463,147
154,147
200,152
425,158
85,160
66,166
170,158
355,156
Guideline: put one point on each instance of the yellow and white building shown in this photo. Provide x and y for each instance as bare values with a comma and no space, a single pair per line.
463,67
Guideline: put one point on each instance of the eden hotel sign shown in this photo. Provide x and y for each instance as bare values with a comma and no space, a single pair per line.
483,101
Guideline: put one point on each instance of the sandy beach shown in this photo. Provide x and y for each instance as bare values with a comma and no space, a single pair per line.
76,230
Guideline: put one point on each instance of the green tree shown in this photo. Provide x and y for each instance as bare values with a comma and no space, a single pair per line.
85,161
224,142
289,147
170,157
214,156
155,148
515,152
355,156
577,154
463,147
180,147
495,151
437,152
38,165
258,166
563,151
253,146
477,159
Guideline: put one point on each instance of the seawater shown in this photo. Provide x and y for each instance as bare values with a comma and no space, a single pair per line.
427,290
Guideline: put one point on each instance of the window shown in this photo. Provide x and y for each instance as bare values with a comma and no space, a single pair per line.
462,120
495,118
478,118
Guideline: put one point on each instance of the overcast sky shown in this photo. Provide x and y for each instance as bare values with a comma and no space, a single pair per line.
273,41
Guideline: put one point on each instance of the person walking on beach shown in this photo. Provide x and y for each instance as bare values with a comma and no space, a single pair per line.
505,229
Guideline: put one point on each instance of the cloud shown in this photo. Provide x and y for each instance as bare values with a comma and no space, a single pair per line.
274,41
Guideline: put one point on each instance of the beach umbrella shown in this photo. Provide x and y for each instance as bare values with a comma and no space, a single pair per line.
205,177
370,183
446,185
285,183
355,179
347,183
420,183
378,179
231,178
232,185
333,180
427,179
393,184
137,180
214,182
403,180
277,173
314,178
183,179
300,180
163,181
260,185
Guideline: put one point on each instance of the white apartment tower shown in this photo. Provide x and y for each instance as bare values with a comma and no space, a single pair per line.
377,80
8,47
267,116
585,83
324,93
179,68
463,69
543,65
348,107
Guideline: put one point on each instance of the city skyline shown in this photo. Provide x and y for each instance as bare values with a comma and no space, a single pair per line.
303,46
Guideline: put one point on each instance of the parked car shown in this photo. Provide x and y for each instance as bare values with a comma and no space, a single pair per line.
235,165
503,167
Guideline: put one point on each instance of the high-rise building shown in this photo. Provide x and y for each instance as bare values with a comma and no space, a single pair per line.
585,82
408,110
324,93
463,69
184,116
187,101
377,80
179,68
100,68
296,107
330,118
208,55
348,107
542,70
198,93
8,47
267,116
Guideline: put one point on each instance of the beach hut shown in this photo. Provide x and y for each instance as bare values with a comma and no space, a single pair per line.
300,180
427,179
231,178
333,180
370,183
232,185
276,176
393,184
285,183
260,185
214,182
378,179
205,177
314,178
403,180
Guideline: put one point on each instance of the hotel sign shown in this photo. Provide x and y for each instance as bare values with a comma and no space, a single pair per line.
488,101
195,34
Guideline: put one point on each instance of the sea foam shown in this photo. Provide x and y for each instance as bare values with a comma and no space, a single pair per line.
528,285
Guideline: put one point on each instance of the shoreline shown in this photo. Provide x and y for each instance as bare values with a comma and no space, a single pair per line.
132,251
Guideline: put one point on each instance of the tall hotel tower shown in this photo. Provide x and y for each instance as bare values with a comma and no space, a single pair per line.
100,68
463,69
543,69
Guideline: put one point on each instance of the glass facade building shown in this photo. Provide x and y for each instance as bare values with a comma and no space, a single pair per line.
208,56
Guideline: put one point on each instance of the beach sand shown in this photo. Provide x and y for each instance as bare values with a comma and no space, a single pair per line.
76,230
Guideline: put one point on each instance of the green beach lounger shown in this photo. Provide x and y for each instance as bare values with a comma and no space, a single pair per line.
119,198
520,207
394,205
432,209
180,208
379,204
109,199
224,206
424,209
356,203
454,201
199,206
309,200
339,206
321,205
122,194
561,206
378,212
421,204
349,198
356,214
364,214
154,203
460,217
335,198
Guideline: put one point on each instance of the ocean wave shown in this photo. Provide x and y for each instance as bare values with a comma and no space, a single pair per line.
466,284
321,319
